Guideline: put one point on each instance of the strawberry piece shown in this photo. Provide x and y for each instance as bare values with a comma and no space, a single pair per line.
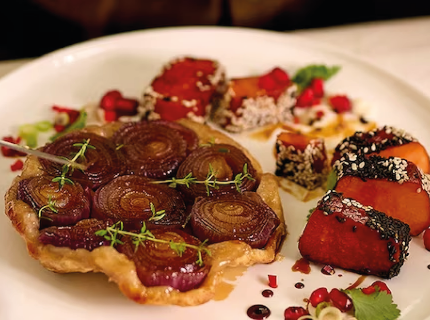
305,99
17,165
267,82
317,86
109,100
340,103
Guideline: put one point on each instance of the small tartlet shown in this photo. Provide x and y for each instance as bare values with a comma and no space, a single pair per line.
117,266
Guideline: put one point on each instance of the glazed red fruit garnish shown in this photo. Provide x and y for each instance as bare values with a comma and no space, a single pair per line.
317,86
280,75
293,313
273,281
426,238
319,295
7,152
17,165
340,300
108,101
305,99
372,288
340,103
64,117
267,82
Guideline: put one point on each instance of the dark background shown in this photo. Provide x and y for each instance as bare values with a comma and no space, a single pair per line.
30,28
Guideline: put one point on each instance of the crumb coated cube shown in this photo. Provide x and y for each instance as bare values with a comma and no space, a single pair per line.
252,102
385,141
343,233
392,185
186,88
301,159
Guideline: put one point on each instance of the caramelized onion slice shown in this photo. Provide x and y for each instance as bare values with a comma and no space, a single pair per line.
104,162
243,217
189,135
227,162
158,265
128,198
81,235
71,202
151,149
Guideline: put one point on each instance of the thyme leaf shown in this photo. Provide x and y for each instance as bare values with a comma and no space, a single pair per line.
116,231
50,205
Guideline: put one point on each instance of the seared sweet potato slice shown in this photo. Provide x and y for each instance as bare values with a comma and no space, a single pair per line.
385,142
253,102
343,233
392,185
186,88
301,159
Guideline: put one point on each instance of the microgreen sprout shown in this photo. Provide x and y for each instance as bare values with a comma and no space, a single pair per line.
210,143
114,232
210,181
67,168
50,205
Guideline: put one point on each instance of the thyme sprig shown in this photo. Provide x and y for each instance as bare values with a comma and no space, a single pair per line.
210,181
116,231
156,215
67,168
50,205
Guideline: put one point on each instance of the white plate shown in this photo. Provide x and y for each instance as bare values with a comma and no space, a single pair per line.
82,73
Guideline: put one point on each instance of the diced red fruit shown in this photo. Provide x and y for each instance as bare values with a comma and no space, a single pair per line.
108,101
273,281
280,75
125,105
294,313
305,99
17,165
317,86
319,295
426,238
340,300
7,152
59,128
72,113
372,288
110,116
267,82
340,103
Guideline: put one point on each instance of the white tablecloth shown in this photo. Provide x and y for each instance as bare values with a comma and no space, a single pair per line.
401,47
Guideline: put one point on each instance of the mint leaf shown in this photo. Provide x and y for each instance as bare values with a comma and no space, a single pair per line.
375,306
304,76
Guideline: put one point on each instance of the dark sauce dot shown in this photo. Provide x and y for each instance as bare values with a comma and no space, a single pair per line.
299,285
267,293
339,275
258,312
428,267
363,120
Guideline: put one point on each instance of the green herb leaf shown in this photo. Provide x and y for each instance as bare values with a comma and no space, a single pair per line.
304,76
375,306
43,126
78,124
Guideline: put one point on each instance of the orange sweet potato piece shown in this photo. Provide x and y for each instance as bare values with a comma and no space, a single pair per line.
343,233
385,142
394,186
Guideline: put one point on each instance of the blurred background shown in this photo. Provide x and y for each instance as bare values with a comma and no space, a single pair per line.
30,28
